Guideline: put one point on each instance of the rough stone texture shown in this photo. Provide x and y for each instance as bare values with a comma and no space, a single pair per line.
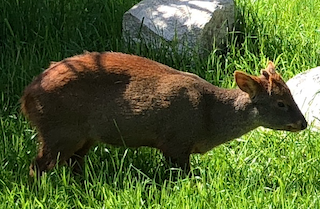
305,88
192,23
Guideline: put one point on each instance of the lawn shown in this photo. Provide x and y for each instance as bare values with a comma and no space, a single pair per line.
262,169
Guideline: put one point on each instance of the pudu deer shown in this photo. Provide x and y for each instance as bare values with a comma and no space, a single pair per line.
131,101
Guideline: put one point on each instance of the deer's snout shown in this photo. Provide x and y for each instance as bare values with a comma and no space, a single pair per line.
298,126
304,125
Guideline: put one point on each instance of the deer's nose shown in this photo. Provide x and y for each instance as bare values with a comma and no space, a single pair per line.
301,125
304,124
298,126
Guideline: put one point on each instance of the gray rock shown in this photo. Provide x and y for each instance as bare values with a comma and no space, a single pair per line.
192,23
305,88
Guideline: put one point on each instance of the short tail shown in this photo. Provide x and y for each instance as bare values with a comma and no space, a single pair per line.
26,103
30,106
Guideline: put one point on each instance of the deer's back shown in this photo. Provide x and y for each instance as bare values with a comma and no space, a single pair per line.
113,95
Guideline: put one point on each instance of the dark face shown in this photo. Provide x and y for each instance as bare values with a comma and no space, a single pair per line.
279,111
272,99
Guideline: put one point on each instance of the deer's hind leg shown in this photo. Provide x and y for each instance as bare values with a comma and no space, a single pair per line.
55,147
77,159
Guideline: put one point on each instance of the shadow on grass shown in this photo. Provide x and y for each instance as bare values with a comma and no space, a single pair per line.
119,168
116,166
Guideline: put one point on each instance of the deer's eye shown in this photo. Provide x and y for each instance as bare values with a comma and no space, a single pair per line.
281,104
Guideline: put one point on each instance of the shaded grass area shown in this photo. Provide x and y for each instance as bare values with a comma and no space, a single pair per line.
263,169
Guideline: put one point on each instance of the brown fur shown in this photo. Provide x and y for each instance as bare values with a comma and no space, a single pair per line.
131,101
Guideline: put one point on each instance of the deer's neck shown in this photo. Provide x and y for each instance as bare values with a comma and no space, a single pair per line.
231,114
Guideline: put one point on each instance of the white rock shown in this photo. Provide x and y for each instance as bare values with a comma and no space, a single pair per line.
193,23
305,88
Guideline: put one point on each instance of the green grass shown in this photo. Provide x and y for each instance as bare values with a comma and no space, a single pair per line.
263,169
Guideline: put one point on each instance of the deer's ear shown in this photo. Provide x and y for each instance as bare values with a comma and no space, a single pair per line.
269,71
247,83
